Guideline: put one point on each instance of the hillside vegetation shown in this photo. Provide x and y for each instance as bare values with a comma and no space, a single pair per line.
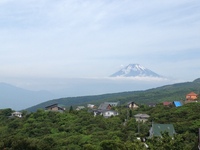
80,130
156,95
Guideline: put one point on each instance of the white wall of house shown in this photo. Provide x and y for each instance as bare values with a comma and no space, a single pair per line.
110,113
17,114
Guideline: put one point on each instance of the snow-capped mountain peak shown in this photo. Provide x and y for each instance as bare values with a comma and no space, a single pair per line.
135,70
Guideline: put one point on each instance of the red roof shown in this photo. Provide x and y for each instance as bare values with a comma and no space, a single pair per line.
192,94
167,103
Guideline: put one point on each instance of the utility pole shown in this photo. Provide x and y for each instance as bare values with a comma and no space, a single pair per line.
138,127
127,115
199,140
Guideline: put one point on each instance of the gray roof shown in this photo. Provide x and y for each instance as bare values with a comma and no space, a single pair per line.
131,103
110,111
102,111
151,104
59,106
103,106
141,116
16,113
81,107
55,105
112,103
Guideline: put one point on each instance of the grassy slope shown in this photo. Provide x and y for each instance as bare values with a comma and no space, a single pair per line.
160,94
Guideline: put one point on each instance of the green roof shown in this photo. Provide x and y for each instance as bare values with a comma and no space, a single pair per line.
158,129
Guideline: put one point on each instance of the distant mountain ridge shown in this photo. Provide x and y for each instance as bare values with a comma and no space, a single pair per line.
156,95
135,70
19,98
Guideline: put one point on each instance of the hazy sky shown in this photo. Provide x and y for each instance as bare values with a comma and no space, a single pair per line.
94,38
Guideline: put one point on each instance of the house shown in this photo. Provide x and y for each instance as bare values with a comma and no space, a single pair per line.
158,129
112,104
177,103
16,114
91,106
80,107
104,109
191,96
97,112
167,103
151,104
109,113
104,106
141,117
106,113
55,107
132,105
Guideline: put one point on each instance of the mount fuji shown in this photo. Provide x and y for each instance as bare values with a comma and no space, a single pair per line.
135,70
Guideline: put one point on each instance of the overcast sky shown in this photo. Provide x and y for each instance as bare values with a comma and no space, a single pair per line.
95,38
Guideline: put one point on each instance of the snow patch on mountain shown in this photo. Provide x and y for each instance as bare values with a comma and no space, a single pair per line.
135,70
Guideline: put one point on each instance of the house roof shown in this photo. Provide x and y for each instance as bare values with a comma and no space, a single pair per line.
167,103
131,103
104,111
55,105
192,94
16,113
81,107
177,103
158,129
141,116
152,104
104,106
112,103
90,105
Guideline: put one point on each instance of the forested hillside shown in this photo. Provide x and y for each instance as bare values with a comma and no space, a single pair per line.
80,130
160,94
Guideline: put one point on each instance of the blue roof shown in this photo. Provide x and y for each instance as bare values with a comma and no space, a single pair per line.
177,103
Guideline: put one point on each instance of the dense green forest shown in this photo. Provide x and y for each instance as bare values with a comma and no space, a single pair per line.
80,130
172,92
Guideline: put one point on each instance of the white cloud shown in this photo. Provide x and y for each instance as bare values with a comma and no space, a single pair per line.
71,38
